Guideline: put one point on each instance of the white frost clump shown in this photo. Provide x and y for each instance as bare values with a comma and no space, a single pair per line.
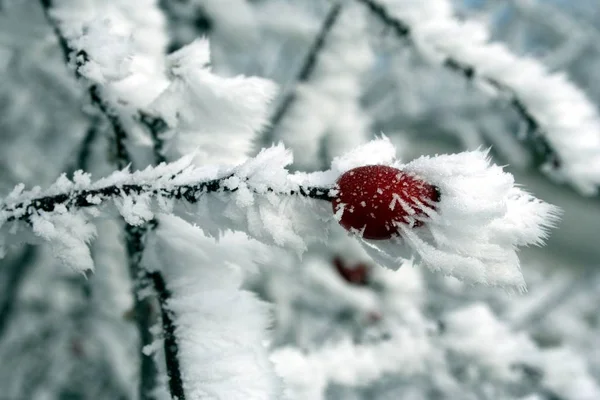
217,115
259,203
220,328
69,234
480,221
119,50
567,118
474,231
108,54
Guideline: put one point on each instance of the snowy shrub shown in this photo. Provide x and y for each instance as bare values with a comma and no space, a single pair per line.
252,200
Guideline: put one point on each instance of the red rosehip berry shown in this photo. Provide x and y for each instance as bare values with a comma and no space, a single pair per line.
375,198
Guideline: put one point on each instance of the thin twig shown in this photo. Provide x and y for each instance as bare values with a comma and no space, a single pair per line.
94,197
16,273
156,127
62,41
123,158
170,339
86,146
143,307
308,66
542,150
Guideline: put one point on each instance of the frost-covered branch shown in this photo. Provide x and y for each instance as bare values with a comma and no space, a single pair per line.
123,158
307,67
562,125
95,196
435,207
79,57
143,307
543,151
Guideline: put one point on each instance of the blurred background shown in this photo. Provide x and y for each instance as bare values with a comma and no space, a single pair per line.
411,334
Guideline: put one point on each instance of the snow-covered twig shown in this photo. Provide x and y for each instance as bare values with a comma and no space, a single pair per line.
95,195
135,242
216,322
306,70
123,158
170,346
562,125
541,148
153,124
81,57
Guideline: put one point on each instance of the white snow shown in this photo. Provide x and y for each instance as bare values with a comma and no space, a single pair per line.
216,115
220,328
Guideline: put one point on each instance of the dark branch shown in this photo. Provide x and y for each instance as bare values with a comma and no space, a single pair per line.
85,148
94,197
306,70
81,57
156,127
144,308
400,28
62,41
16,274
170,340
535,138
123,158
